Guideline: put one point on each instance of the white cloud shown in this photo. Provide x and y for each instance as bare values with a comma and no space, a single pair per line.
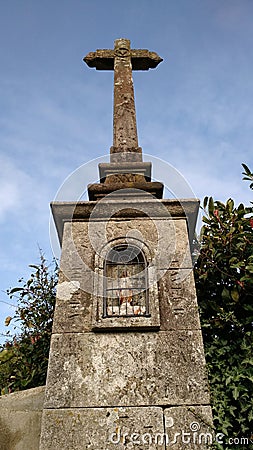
9,196
12,185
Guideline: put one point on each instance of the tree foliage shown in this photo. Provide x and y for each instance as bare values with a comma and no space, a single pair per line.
24,356
224,283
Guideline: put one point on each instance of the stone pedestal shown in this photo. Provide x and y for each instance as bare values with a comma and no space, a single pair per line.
126,382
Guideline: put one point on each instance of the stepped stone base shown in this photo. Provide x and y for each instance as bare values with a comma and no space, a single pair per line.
122,428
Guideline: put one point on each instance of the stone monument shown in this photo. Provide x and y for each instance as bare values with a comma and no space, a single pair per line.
126,367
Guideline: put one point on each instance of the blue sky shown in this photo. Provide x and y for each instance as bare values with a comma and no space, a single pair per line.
194,111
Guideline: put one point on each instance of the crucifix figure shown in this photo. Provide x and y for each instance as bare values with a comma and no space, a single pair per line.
123,60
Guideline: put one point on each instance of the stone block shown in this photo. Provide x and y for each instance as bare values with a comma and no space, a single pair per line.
126,369
189,427
73,309
102,428
166,238
77,251
173,244
178,301
128,209
83,245
20,419
73,300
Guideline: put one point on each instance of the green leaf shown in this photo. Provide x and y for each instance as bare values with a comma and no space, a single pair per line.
225,294
235,295
249,267
247,171
210,206
228,380
235,392
250,415
205,220
230,205
17,289
205,201
3,355
7,321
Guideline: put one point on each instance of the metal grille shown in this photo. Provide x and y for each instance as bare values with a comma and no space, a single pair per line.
126,282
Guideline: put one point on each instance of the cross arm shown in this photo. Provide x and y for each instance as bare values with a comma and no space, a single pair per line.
144,59
104,59
101,59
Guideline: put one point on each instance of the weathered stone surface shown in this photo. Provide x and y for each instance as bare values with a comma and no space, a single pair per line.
173,245
130,167
73,301
114,184
167,244
31,399
143,229
189,427
124,116
127,428
104,59
178,301
128,209
73,309
20,419
77,250
167,239
124,178
126,369
103,429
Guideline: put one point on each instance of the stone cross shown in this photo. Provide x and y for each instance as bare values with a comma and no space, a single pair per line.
123,60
